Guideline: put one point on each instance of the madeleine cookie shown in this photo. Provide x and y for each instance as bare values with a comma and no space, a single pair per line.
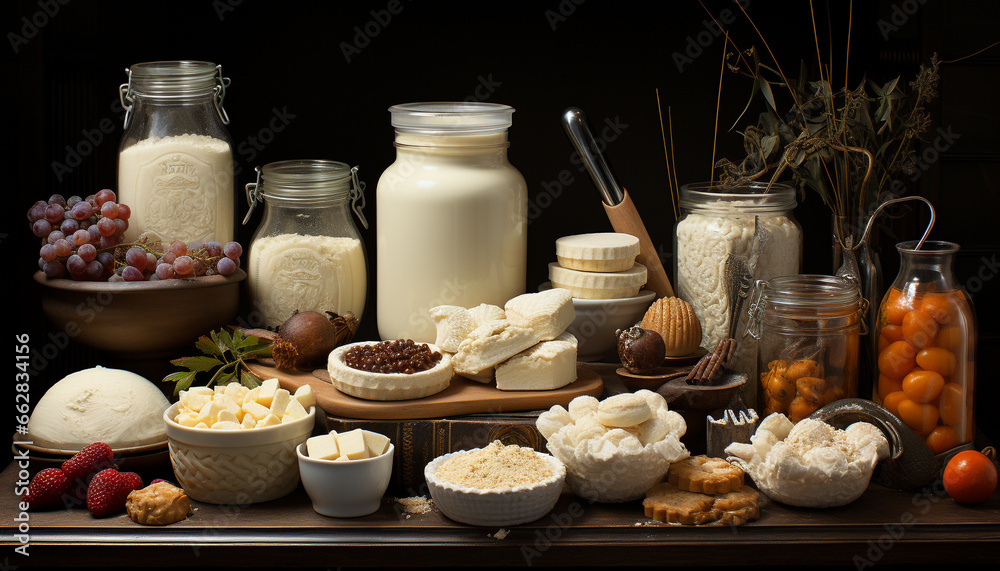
705,475
666,503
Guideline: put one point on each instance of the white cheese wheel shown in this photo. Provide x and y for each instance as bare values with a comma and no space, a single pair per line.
597,252
598,285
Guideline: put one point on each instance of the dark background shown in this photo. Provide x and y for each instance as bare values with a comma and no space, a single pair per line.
61,83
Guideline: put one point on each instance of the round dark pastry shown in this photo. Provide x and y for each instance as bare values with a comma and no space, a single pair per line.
640,350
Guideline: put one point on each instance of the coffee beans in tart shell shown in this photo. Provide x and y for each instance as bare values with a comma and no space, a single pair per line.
399,356
377,386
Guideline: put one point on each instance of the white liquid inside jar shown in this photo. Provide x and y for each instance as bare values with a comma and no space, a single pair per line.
179,186
291,272
451,229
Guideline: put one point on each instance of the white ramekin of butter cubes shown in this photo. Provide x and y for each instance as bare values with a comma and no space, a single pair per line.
346,474
233,445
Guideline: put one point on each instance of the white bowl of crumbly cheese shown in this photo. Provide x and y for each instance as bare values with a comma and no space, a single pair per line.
496,485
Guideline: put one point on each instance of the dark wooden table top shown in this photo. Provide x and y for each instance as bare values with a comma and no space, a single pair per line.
882,527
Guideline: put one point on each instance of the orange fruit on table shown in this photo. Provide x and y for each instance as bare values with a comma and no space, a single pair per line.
922,386
897,360
970,477
942,439
937,359
887,385
919,329
891,401
952,404
922,418
897,305
941,306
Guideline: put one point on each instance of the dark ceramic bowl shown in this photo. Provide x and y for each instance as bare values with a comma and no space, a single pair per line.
140,318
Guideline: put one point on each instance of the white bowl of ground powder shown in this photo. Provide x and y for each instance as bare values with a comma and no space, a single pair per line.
495,486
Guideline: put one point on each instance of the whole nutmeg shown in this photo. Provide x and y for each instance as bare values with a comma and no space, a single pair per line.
640,350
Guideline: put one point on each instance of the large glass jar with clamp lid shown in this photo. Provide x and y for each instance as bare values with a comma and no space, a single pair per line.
807,329
452,216
307,254
175,162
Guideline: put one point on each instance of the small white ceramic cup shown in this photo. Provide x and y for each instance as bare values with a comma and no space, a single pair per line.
345,489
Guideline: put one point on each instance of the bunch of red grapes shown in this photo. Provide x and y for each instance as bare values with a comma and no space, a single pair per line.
82,240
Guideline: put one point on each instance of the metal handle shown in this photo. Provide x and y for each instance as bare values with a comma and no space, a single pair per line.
358,195
578,130
254,195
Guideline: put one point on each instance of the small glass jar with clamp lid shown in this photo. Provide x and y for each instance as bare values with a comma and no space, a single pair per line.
307,254
808,331
175,162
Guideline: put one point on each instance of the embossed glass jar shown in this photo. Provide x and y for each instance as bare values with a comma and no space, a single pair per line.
175,162
307,254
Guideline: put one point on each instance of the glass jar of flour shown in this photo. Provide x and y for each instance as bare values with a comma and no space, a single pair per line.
175,163
718,222
307,254
452,216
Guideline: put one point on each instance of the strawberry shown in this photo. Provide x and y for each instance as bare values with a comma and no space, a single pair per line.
108,491
46,489
90,460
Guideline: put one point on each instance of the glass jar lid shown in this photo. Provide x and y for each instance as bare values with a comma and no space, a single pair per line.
174,80
803,297
451,118
306,183
750,198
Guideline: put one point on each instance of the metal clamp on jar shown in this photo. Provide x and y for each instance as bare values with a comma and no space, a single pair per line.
808,330
307,254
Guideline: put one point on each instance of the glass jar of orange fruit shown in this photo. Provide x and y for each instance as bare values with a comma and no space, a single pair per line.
926,343
808,331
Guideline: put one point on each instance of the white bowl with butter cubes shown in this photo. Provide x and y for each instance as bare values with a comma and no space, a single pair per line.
346,474
234,445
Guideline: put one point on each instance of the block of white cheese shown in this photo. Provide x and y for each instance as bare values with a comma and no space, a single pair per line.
453,325
598,285
485,312
491,344
323,447
352,444
546,366
376,443
597,252
547,313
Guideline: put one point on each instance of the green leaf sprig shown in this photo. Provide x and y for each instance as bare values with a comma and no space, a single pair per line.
227,354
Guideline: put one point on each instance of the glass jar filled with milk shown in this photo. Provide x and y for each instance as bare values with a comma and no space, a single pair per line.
175,163
452,216
307,254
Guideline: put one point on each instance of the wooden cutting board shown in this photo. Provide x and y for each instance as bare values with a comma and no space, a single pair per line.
461,397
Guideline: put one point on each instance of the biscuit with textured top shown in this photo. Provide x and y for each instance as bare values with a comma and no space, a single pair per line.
666,503
705,475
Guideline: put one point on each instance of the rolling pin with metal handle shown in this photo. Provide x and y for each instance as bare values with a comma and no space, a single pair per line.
617,203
